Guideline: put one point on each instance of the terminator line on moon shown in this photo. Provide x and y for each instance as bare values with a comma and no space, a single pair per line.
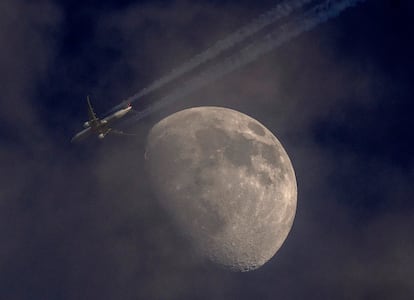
227,182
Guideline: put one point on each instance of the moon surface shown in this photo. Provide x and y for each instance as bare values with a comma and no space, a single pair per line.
227,182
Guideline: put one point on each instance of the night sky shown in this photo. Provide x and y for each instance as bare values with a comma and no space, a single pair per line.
78,221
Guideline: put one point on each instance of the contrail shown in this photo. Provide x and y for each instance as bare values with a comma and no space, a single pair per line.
280,11
306,21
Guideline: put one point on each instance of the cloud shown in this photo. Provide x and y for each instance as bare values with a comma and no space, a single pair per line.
155,38
81,222
26,36
292,91
26,33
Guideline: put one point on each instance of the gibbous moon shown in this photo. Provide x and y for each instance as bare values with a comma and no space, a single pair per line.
227,182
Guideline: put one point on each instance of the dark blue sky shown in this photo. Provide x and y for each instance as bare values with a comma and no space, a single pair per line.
79,222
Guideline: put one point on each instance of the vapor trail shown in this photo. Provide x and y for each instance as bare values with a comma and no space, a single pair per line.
304,22
283,9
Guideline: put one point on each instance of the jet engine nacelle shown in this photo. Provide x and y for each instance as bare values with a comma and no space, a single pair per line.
86,124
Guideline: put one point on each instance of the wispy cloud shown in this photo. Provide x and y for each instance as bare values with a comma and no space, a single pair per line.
77,223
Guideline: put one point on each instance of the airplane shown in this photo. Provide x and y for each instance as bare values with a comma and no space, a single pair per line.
101,127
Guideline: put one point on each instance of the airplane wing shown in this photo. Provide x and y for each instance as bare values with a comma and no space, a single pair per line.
92,116
82,135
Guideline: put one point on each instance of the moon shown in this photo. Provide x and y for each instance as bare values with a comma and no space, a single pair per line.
227,182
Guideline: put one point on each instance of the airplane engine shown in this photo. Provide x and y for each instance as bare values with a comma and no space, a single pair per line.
86,124
101,136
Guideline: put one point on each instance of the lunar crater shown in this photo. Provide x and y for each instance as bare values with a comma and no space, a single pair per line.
256,128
